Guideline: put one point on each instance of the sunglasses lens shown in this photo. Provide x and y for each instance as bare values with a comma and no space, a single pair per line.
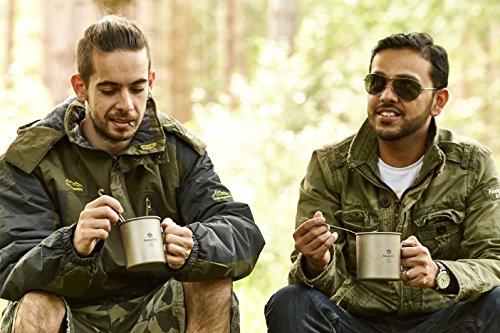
375,84
406,88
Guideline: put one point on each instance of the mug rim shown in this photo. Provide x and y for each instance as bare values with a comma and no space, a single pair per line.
378,233
141,218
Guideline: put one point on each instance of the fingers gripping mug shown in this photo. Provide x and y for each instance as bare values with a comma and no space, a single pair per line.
142,240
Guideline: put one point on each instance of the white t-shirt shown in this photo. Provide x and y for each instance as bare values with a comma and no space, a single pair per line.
399,179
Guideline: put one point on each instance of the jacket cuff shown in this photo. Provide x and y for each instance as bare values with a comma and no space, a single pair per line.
188,265
319,281
72,255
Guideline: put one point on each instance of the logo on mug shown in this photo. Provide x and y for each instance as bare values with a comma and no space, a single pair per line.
151,237
389,254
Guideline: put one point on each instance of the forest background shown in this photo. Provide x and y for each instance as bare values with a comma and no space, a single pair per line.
263,82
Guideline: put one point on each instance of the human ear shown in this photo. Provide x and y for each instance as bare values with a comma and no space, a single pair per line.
151,80
79,87
440,101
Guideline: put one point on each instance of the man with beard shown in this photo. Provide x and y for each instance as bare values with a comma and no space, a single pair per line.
399,173
62,262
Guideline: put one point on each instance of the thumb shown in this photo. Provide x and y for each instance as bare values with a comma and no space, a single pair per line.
318,214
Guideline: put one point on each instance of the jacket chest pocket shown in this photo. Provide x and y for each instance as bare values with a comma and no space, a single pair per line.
440,232
355,220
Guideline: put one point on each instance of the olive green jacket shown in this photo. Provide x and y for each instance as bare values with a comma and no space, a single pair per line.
50,172
453,208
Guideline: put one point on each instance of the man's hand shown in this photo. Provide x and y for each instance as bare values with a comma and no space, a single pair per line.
95,224
178,243
419,268
313,239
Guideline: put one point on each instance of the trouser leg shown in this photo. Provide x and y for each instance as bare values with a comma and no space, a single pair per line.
297,308
479,316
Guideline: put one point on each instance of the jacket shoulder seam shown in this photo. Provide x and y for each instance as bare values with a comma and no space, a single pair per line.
172,125
31,146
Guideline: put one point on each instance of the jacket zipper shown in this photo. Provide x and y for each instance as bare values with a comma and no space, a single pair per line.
148,206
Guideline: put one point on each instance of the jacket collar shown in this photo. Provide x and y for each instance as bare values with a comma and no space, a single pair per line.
149,137
364,147
34,140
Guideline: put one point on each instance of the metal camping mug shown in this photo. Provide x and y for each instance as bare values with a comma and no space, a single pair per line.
142,240
378,255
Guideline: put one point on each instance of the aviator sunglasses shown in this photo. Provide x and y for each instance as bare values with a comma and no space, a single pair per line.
406,88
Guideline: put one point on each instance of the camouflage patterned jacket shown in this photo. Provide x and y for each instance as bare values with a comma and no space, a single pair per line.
50,172
453,208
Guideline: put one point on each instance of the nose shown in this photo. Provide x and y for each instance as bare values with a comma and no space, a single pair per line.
125,101
388,93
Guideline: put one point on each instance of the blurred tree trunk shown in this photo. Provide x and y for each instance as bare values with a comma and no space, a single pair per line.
492,66
492,72
119,7
179,82
229,37
9,42
282,21
63,24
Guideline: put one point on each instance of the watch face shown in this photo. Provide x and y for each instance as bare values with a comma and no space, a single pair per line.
443,280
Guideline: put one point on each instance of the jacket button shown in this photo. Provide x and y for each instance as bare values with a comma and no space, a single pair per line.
161,156
385,202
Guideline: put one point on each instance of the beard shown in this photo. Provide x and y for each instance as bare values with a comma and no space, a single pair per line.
408,128
103,130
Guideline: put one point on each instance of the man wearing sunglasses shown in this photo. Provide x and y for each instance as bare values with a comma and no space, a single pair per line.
399,173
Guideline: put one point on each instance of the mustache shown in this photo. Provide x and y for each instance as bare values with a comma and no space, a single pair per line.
123,118
388,105
120,114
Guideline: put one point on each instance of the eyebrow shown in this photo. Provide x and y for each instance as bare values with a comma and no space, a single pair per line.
116,84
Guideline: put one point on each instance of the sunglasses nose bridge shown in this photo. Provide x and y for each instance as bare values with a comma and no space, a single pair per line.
388,86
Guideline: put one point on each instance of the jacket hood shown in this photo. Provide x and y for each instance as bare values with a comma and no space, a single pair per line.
34,140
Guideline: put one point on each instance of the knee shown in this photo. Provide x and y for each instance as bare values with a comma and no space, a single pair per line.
41,303
491,300
39,309
290,299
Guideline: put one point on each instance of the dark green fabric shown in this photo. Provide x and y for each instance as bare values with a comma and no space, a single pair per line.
51,172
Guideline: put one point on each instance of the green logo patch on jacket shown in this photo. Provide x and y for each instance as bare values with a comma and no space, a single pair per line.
148,146
221,195
75,186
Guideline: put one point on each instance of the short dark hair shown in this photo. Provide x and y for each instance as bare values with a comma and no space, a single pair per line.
107,35
423,44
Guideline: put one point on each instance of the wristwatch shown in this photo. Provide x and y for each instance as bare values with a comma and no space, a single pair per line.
443,277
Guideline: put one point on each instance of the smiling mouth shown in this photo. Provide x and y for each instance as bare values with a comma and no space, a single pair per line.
387,114
388,111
